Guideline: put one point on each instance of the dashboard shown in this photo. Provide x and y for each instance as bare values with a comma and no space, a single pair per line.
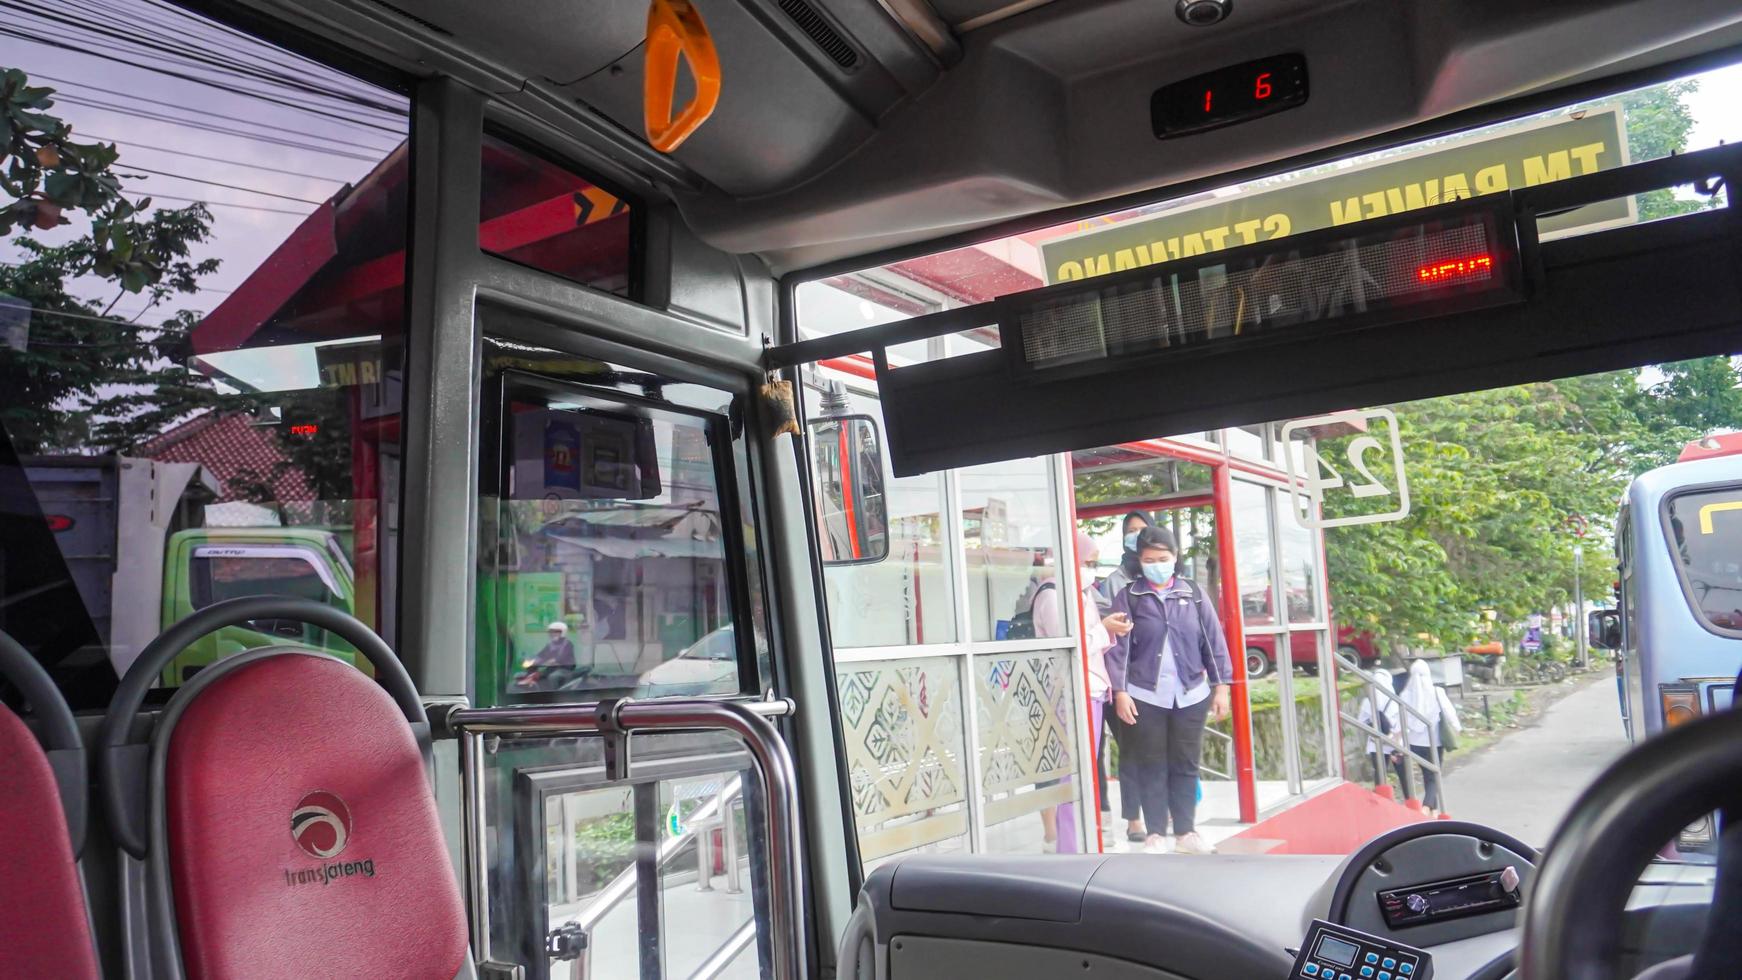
1443,896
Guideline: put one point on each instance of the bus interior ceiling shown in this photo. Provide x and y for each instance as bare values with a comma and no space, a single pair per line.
874,131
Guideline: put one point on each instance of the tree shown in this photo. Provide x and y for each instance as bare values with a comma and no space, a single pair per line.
84,379
1658,124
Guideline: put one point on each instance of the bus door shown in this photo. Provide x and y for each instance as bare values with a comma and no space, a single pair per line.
617,557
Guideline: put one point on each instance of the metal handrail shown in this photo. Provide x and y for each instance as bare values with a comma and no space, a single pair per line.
729,950
1211,732
1394,739
606,898
746,719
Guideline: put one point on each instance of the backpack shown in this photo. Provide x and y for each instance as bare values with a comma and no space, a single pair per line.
1022,624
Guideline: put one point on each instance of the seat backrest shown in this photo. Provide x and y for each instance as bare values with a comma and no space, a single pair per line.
296,827
44,928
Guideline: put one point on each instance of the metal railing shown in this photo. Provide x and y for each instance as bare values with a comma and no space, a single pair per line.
1381,695
1227,756
617,721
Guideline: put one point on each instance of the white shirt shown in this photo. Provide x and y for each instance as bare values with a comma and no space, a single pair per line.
1096,642
1166,692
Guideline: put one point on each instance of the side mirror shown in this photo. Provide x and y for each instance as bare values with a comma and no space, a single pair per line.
852,509
1603,628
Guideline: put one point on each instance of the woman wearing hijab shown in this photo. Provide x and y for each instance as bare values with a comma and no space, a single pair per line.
1128,571
1169,676
1386,719
1429,705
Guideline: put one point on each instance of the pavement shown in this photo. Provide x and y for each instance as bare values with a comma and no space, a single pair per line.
1524,783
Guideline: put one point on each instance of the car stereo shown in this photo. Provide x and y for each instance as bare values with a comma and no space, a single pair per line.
1333,952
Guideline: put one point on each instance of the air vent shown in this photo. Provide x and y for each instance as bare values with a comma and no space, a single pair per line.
408,15
811,21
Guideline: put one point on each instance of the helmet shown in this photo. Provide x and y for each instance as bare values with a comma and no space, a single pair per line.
558,627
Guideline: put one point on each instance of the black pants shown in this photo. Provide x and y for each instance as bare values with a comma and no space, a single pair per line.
1430,794
1130,795
1101,753
1165,746
1378,761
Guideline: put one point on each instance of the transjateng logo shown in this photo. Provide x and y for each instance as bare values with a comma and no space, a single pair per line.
320,823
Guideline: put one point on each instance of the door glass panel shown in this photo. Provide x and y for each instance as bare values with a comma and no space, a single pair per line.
617,548
1028,730
1010,530
612,548
905,732
650,877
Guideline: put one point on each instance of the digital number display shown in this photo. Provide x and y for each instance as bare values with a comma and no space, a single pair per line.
1334,950
1229,95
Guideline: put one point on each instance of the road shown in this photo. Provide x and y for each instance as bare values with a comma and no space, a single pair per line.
1525,783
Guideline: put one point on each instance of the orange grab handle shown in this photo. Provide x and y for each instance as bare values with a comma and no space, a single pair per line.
674,30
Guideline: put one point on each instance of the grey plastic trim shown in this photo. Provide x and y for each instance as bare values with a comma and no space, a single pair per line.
438,523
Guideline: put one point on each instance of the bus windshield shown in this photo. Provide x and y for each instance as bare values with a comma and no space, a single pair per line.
1286,636
1705,535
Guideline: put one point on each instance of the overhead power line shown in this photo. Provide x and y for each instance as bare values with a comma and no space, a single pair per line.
212,159
169,45
215,183
222,130
26,35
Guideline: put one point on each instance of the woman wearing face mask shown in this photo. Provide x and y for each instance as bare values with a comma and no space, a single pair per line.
1169,676
1127,572
1130,796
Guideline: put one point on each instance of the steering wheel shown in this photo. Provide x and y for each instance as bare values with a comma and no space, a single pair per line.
1573,918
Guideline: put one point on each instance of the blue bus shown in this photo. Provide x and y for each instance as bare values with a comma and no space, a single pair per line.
1678,633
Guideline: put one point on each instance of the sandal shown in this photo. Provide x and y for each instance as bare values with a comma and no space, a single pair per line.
1136,836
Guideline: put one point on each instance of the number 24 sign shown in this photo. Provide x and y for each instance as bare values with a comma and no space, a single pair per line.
1368,468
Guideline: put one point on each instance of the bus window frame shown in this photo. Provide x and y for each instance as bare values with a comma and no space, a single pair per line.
493,477
1666,526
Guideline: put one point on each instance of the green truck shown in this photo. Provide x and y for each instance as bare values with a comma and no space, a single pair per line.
130,531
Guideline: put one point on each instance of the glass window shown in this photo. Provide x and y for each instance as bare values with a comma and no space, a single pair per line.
540,214
1010,533
1300,570
1251,517
610,545
906,598
1251,441
1706,540
222,368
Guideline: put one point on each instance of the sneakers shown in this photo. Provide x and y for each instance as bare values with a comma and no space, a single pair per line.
1192,844
1156,844
1049,847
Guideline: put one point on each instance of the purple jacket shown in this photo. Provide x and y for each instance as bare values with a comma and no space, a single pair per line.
1199,648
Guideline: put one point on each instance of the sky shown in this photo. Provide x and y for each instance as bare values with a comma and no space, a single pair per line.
121,85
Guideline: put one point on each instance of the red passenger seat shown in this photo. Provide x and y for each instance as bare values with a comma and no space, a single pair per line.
292,829
44,928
